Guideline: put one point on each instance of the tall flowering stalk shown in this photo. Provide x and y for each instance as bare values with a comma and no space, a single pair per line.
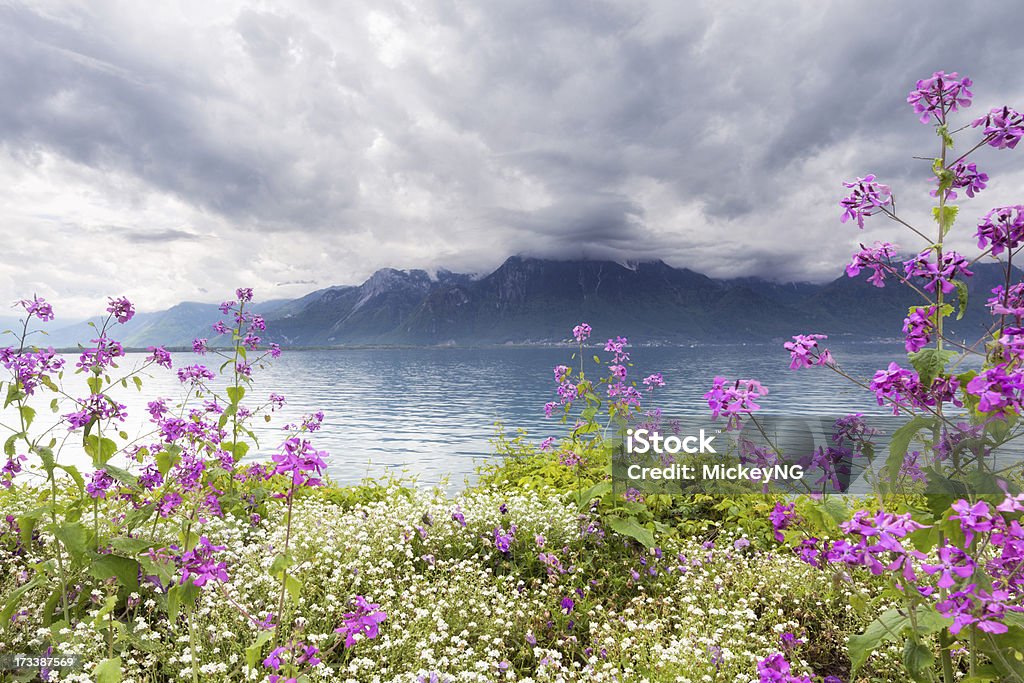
954,563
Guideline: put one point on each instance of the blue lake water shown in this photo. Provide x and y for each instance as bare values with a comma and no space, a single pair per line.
430,412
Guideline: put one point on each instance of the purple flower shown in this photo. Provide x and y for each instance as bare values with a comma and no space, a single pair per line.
801,349
194,374
275,350
975,518
790,641
1003,127
503,539
964,175
878,259
101,355
773,669
581,332
940,95
732,399
10,469
243,369
199,345
199,566
220,328
896,385
160,356
568,604
941,274
457,516
953,562
297,459
655,380
917,328
782,517
96,407
30,367
121,309
364,620
546,443
37,307
998,392
244,294
1003,227
866,199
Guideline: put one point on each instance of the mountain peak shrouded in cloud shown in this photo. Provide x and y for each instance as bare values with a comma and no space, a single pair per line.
164,151
531,300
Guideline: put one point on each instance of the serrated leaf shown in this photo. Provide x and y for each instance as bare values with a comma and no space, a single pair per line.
125,569
961,295
294,587
627,526
252,653
108,671
886,627
930,363
900,442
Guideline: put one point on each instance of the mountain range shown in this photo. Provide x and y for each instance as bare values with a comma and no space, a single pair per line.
528,300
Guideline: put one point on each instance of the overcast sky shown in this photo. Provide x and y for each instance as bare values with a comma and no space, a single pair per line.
176,150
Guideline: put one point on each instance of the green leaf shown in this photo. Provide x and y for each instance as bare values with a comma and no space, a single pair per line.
138,382
294,587
961,295
108,671
930,363
123,476
946,218
917,659
95,384
75,538
900,442
28,414
15,597
252,653
139,516
100,450
235,395
75,475
280,563
598,490
628,526
167,458
180,595
885,628
13,394
131,546
125,569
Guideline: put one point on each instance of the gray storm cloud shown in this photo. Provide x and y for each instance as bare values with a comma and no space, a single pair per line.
169,151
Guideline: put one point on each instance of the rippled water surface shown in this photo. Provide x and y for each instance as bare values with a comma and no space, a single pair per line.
431,412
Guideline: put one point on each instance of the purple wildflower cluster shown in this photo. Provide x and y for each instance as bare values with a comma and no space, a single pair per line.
31,368
804,351
941,273
363,622
96,408
10,469
1003,228
877,259
198,565
966,176
918,327
301,462
942,94
866,199
734,398
1003,127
